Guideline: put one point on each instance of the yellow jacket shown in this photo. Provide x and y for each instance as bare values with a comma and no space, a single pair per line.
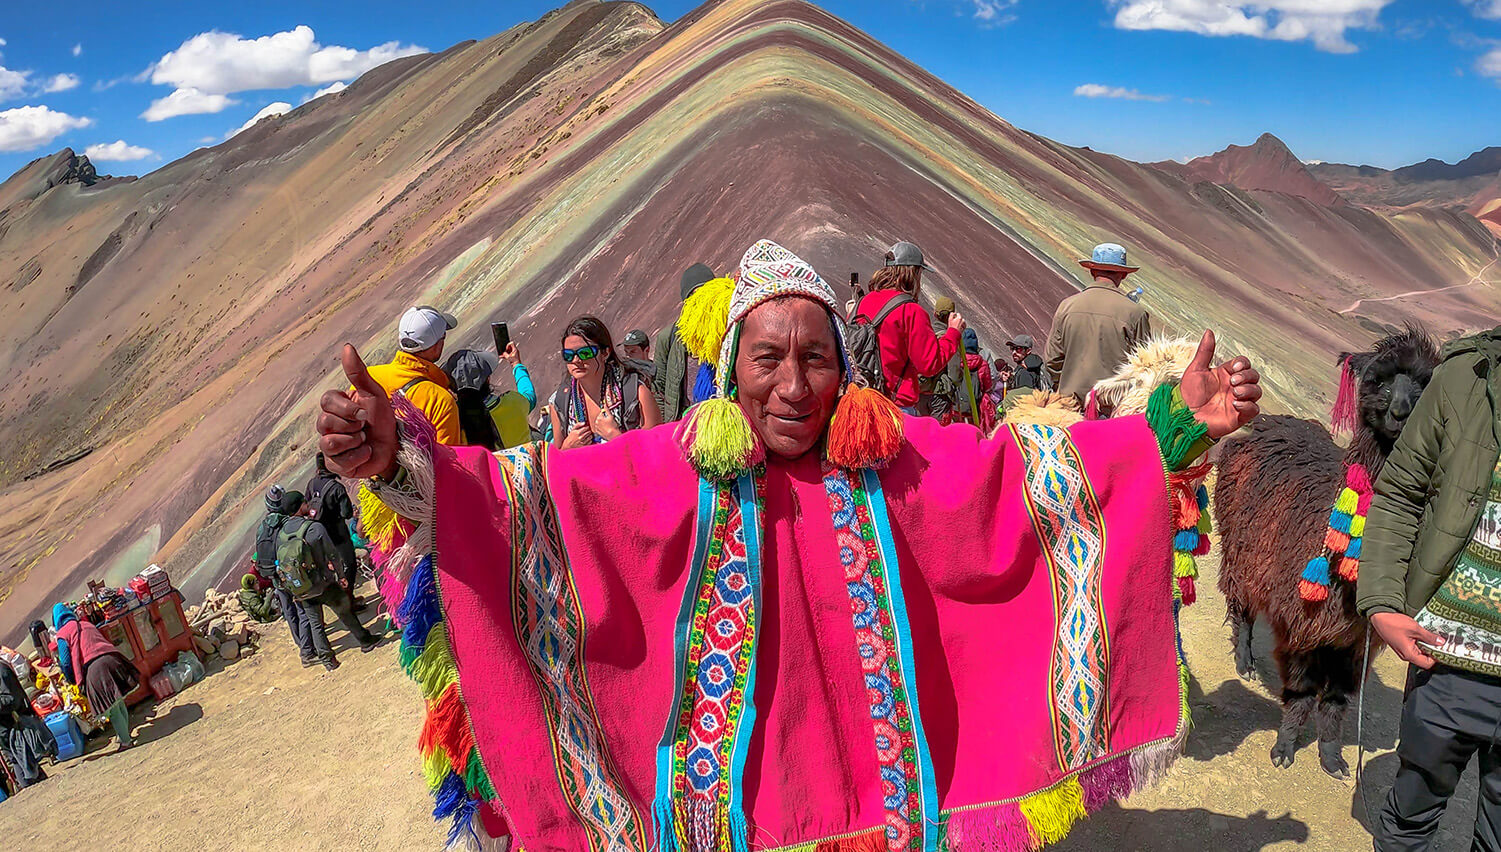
430,393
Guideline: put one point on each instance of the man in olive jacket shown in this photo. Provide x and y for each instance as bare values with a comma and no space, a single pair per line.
675,367
1430,564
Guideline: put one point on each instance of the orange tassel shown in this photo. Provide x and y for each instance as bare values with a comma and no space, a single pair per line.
1349,569
866,430
1312,591
447,727
1336,541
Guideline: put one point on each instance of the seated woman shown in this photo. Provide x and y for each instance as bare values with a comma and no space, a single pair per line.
600,398
90,660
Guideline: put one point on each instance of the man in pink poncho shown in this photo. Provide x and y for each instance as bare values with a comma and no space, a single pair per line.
798,620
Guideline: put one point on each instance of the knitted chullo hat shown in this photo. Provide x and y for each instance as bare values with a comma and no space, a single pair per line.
866,429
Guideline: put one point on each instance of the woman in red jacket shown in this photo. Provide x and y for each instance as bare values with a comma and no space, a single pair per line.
910,351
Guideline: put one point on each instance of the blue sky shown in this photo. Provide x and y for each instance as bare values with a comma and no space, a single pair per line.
1385,82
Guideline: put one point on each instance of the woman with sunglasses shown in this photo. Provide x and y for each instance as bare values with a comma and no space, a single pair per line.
600,398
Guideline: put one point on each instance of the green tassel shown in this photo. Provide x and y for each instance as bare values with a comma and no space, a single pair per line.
476,780
1180,437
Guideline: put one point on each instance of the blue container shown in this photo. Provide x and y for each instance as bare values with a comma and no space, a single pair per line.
69,736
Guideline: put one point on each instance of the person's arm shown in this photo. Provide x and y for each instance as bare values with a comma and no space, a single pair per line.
1401,496
343,507
983,375
524,385
927,352
660,347
651,412
1052,354
321,544
441,408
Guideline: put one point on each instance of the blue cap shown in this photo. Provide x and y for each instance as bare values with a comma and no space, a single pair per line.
1110,257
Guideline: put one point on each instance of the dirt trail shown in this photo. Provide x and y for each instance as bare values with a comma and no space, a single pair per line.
1477,278
267,755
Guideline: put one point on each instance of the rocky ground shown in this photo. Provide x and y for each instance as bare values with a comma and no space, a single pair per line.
265,754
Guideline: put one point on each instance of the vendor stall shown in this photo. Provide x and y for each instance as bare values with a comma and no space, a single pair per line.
150,635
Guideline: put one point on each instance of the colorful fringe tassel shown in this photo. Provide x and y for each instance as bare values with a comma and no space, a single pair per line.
1191,522
1346,415
865,431
718,439
705,317
1344,538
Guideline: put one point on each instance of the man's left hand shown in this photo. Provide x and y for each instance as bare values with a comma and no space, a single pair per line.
1224,398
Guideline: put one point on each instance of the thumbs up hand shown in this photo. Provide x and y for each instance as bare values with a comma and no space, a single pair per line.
357,428
1224,398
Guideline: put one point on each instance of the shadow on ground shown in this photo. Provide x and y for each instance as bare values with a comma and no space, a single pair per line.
1189,830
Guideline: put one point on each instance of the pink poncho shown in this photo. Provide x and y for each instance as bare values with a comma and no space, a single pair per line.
969,649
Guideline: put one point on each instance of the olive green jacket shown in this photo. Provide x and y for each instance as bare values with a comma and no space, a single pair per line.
672,366
1435,483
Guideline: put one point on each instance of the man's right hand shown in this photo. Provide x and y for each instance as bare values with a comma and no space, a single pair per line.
957,323
512,355
1402,635
357,428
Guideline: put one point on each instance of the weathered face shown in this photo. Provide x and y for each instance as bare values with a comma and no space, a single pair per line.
579,368
1389,392
788,372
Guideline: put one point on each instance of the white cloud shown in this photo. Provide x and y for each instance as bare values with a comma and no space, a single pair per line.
330,89
28,127
117,152
13,84
60,83
1323,22
268,110
218,63
186,102
1489,63
77,50
993,13
1485,8
1095,90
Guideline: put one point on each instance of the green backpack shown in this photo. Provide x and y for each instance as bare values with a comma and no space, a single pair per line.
296,567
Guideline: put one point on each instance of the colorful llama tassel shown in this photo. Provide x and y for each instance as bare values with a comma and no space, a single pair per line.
1346,415
1314,586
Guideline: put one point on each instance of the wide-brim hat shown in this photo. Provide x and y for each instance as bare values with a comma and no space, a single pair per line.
1108,257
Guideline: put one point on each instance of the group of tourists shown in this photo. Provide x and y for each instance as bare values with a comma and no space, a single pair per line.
812,556
305,559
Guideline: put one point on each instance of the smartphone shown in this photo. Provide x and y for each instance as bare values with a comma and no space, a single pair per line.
502,334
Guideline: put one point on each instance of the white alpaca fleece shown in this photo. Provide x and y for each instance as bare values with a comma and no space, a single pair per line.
1159,361
1044,408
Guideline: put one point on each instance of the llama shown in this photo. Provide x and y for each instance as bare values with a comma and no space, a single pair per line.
1280,539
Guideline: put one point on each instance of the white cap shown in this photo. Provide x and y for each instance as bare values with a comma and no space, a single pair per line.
422,327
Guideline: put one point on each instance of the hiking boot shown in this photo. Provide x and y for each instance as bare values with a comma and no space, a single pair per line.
330,664
308,662
370,644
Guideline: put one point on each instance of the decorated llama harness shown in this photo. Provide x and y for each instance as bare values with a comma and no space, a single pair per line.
1342,543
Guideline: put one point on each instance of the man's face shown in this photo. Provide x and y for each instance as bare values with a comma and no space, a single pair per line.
635,353
788,372
1019,353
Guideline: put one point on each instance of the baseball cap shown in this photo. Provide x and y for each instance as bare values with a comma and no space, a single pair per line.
906,254
942,305
635,337
1022,341
422,327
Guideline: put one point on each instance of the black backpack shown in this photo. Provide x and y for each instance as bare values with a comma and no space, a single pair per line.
863,338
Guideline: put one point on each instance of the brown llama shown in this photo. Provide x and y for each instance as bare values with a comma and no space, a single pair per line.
1272,503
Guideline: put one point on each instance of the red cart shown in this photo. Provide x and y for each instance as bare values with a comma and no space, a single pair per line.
150,636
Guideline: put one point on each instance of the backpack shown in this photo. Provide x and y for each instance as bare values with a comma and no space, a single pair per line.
297,567
863,339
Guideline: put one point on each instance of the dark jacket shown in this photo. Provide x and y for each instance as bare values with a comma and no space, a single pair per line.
671,367
1028,375
330,504
1435,483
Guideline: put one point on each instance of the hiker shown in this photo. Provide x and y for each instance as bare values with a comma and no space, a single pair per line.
1028,372
937,395
676,371
1430,582
1094,330
635,351
24,737
980,382
265,560
511,408
90,661
755,669
415,371
909,349
600,398
256,603
304,553
328,504
490,420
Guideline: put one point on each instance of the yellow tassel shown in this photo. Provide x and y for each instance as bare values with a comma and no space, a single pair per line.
719,440
1357,526
705,318
435,767
1184,565
434,670
1051,814
1348,502
865,431
377,520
